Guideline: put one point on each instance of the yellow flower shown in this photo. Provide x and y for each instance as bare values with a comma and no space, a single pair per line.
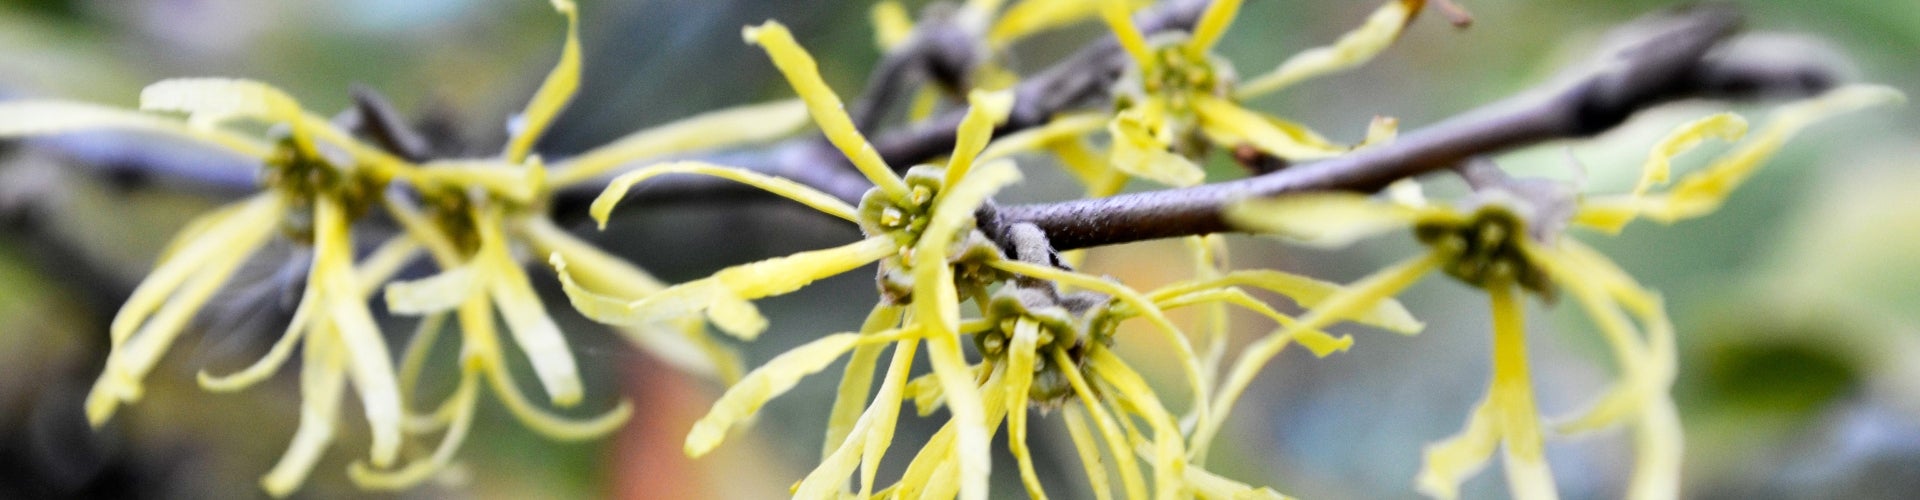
1505,238
1179,97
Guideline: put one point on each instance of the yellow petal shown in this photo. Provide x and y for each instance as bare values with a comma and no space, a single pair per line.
1448,462
886,412
1512,397
1168,446
763,384
1061,128
1318,341
437,293
727,127
1117,446
985,111
965,405
891,24
1119,17
368,364
1228,123
536,333
1213,23
221,238
464,400
601,270
857,379
1020,356
514,182
1035,16
1089,451
1138,153
824,105
548,424
1307,292
603,206
1323,219
1724,126
275,357
1210,485
554,93
30,118
1703,191
322,382
1359,296
210,101
131,359
783,275
1353,49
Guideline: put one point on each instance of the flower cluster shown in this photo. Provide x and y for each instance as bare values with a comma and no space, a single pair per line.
1011,331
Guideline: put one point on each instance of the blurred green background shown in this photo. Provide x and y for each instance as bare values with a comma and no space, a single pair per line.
1798,303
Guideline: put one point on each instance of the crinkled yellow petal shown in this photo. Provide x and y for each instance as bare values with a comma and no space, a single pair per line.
1169,451
514,182
1034,16
1020,356
275,357
1119,18
1350,301
547,424
31,118
1703,191
1353,49
1183,349
886,413
1209,254
1213,24
965,405
386,260
413,357
1724,126
1062,128
1123,459
535,332
603,206
322,383
1089,452
368,364
1321,343
1228,123
763,384
783,275
938,471
824,105
1324,219
1209,485
464,400
683,343
1138,153
1512,394
1307,292
1448,462
891,24
554,92
857,379
209,101
217,237
985,110
131,359
601,270
740,125
1094,170
437,293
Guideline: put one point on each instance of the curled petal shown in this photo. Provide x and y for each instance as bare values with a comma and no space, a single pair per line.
985,111
437,293
1448,462
322,383
275,357
1724,126
1308,292
1228,123
1353,49
1030,17
1062,128
465,399
763,384
603,206
368,364
1117,446
891,24
554,93
208,240
1020,360
31,118
740,125
825,106
548,424
1138,153
1119,17
1213,24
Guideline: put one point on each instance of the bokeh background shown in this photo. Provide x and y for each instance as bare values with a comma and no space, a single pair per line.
1797,303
